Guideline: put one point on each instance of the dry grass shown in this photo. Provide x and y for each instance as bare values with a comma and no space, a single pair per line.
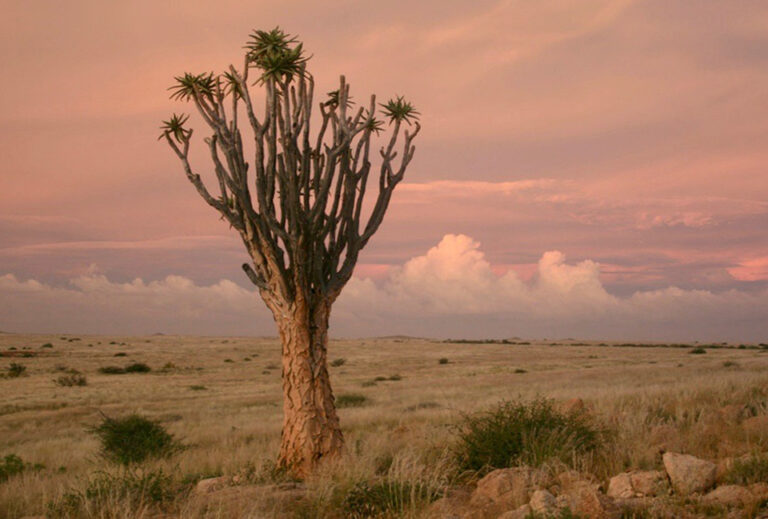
653,398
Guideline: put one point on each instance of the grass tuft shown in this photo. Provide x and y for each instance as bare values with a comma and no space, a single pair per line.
134,439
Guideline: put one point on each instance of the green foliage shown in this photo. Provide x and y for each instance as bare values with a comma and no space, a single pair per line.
112,370
351,400
338,362
443,361
698,351
394,378
386,497
11,465
753,469
174,127
16,370
280,56
71,379
197,387
400,110
531,433
189,86
47,345
120,354
131,489
133,439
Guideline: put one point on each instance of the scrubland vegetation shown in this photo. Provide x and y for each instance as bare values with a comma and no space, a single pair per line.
182,433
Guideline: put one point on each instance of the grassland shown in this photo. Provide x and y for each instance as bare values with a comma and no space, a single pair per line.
222,398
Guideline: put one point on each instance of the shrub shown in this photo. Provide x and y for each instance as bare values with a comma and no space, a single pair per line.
746,471
520,370
380,379
197,387
112,370
443,360
697,351
528,433
386,497
228,360
72,379
16,370
117,495
271,366
395,378
137,367
338,362
351,400
47,345
133,439
121,354
12,465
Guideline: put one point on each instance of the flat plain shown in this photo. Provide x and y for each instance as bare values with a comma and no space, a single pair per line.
221,396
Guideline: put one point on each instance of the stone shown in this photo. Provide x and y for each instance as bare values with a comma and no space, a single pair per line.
505,488
688,473
621,486
585,499
521,512
648,482
730,495
205,486
542,502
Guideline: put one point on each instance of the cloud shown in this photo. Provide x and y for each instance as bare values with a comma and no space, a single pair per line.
450,291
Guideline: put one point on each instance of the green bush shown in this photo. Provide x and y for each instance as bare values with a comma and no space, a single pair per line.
47,345
16,370
71,379
530,433
697,351
137,367
387,497
338,362
443,360
117,495
351,400
112,370
120,354
753,469
12,465
133,439
197,387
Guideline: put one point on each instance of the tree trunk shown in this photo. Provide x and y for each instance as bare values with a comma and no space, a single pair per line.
311,430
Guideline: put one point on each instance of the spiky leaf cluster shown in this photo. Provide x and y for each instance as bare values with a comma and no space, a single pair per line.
189,85
280,56
334,99
174,127
398,109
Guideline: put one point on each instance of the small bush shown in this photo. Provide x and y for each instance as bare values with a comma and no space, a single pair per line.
197,388
47,345
388,497
528,433
443,360
395,378
16,370
112,370
338,362
521,370
121,354
228,360
697,351
117,495
10,465
380,379
271,366
133,439
72,379
137,367
351,400
753,469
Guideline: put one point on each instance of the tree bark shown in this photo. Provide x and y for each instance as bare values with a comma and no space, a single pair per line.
311,430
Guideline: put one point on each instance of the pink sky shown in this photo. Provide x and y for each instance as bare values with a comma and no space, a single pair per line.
628,136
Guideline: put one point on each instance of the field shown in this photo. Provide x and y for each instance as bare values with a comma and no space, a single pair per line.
222,398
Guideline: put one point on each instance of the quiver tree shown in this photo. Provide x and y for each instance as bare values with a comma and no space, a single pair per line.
299,205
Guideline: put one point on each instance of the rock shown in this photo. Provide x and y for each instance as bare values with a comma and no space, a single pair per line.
648,482
585,499
730,495
205,486
542,502
521,512
505,488
621,486
688,473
